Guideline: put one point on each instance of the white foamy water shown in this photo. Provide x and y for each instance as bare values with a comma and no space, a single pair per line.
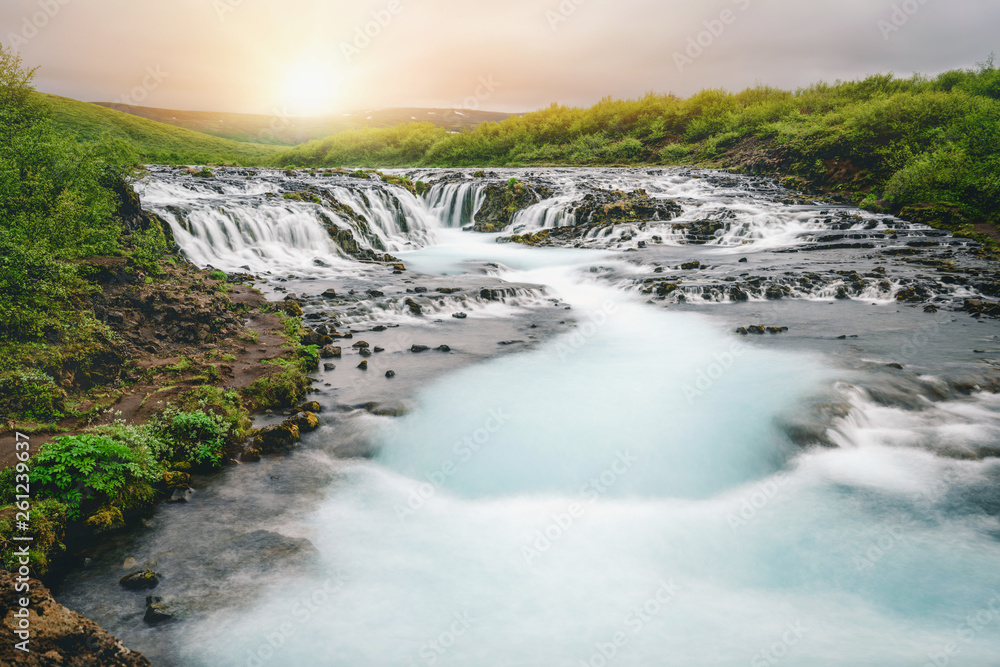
623,496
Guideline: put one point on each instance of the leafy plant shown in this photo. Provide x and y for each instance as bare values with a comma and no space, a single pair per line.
87,471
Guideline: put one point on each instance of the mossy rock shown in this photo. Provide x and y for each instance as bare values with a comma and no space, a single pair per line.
140,580
305,421
276,438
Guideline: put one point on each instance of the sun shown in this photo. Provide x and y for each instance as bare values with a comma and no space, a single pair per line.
309,89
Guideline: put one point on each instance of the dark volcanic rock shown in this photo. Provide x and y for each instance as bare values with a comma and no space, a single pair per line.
140,580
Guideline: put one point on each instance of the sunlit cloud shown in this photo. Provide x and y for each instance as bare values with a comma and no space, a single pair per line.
315,56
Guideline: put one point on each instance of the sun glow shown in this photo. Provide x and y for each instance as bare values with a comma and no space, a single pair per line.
310,89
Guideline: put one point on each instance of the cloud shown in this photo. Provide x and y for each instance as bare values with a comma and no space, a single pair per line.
238,55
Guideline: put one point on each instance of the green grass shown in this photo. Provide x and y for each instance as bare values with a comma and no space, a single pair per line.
153,142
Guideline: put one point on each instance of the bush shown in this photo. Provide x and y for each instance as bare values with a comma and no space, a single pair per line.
197,437
85,472
277,391
30,395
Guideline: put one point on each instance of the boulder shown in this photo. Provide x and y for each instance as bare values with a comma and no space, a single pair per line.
140,580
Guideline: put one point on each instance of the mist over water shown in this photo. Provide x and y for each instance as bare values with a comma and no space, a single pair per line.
627,492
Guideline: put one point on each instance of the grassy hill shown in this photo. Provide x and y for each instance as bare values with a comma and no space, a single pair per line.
154,142
289,131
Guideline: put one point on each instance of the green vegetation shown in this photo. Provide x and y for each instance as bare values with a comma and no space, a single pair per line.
928,145
152,142
88,472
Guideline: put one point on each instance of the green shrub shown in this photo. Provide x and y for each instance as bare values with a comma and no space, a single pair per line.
197,437
85,472
30,395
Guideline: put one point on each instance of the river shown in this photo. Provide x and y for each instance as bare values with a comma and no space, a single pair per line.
600,470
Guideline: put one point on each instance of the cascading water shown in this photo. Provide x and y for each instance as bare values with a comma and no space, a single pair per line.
638,487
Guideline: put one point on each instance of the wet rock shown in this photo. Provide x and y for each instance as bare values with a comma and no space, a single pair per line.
419,348
690,266
330,293
776,330
182,494
420,290
276,438
329,367
379,349
311,337
365,352
443,348
414,307
305,421
311,406
737,294
743,260
390,374
898,367
930,308
842,293
374,293
157,612
140,580
58,636
756,330
459,316
330,352
363,365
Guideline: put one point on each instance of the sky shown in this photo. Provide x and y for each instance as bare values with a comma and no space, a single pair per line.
317,57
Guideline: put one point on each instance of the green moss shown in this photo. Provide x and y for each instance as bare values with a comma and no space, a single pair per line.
278,390
47,527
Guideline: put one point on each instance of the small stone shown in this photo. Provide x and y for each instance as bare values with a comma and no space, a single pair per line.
459,316
363,365
330,293
140,580
331,352
365,352
157,612
390,374
311,406
130,564
379,349
443,348
898,367
361,344
419,348
743,260
329,367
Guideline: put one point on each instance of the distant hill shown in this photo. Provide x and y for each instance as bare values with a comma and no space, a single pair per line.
155,142
290,131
